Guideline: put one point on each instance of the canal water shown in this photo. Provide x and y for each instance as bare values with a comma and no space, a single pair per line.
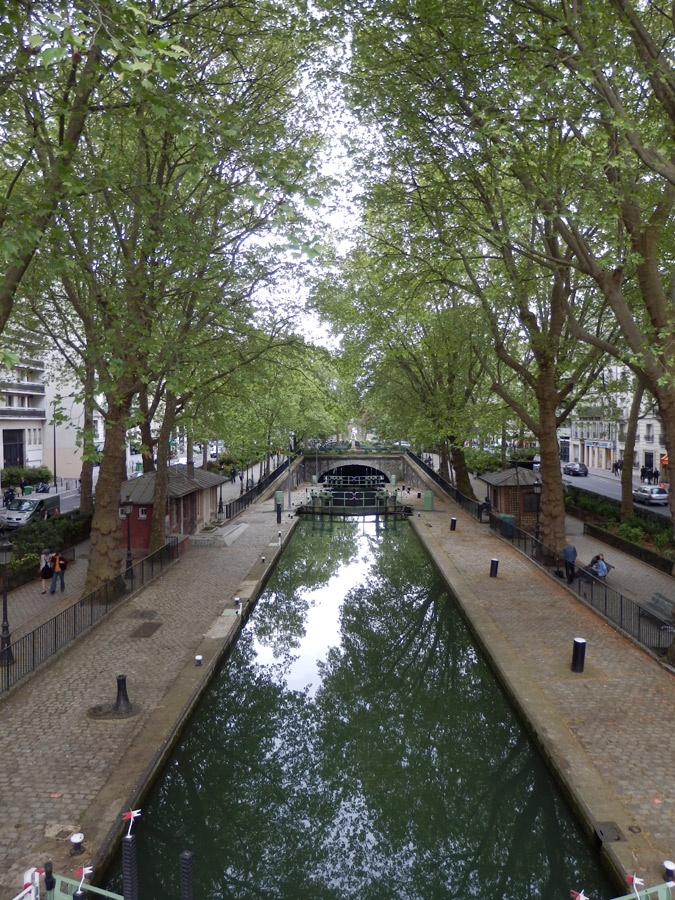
356,745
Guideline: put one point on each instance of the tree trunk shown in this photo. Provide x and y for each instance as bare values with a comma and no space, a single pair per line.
158,527
462,473
88,450
629,453
552,510
145,428
105,554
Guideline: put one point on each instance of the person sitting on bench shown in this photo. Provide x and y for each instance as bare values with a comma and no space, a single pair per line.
598,566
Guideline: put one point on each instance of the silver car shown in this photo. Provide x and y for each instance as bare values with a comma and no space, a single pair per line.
645,493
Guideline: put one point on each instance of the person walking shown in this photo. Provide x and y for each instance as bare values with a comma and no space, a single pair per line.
45,570
569,554
59,566
22,485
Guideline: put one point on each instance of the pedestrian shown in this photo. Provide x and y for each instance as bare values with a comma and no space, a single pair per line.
241,477
233,474
642,473
569,554
599,566
655,476
45,570
58,565
22,485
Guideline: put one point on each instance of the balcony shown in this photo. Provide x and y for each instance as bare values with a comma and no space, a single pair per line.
21,412
22,387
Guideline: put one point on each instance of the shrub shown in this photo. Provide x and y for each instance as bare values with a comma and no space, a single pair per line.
629,533
663,540
12,475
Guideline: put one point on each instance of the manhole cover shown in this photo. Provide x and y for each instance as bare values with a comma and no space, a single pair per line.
146,630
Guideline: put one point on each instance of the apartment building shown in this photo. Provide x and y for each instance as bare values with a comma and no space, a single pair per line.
598,430
22,407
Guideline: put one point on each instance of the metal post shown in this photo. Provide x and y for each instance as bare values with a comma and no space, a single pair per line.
122,703
494,564
578,655
453,524
129,868
6,655
279,513
54,420
220,502
187,865
130,564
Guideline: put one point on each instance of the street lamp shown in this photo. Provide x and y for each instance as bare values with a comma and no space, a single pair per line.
6,655
128,509
220,502
537,493
54,418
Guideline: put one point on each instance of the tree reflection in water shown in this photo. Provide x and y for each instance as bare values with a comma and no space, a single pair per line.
400,772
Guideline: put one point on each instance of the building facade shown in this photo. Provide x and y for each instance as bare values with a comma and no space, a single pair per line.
598,431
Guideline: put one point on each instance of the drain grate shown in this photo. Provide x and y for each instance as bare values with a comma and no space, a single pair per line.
146,630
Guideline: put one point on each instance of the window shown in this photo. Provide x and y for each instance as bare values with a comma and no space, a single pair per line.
39,435
28,436
530,502
142,512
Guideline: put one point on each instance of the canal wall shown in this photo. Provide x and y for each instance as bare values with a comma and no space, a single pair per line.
601,731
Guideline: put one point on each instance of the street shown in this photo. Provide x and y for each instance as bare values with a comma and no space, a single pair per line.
609,486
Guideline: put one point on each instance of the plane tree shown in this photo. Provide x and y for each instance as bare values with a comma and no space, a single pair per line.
66,64
168,231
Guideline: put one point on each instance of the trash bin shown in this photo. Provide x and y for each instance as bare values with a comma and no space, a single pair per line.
279,498
28,489
507,526
428,501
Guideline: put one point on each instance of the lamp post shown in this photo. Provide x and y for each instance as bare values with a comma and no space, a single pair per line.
220,502
128,509
54,423
537,493
6,655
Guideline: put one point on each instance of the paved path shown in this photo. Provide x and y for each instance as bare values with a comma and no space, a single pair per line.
62,771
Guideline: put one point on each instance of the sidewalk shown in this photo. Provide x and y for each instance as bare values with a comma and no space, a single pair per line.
606,731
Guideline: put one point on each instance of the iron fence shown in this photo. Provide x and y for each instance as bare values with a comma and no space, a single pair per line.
473,507
646,625
234,507
29,651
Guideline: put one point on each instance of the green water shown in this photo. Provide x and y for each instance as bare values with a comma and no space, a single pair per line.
356,745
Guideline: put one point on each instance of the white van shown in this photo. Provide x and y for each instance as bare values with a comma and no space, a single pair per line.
23,510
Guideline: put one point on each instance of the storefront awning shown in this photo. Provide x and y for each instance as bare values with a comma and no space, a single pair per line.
664,459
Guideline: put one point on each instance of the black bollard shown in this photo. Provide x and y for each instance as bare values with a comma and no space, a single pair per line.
578,655
129,868
187,865
278,513
50,881
494,564
122,704
453,524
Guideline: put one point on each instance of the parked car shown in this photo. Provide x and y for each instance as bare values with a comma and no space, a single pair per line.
645,493
24,510
575,468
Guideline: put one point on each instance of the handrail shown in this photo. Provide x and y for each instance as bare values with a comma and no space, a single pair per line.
239,504
647,626
473,507
32,649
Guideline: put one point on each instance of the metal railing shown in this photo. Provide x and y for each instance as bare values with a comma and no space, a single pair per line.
30,650
234,507
644,624
473,507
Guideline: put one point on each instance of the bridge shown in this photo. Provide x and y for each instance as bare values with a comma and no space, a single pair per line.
392,468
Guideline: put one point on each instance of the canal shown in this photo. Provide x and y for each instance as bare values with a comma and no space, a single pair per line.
356,745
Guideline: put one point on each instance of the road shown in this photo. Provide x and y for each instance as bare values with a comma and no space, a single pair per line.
609,487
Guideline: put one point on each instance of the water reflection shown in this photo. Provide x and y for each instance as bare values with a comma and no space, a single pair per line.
356,745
